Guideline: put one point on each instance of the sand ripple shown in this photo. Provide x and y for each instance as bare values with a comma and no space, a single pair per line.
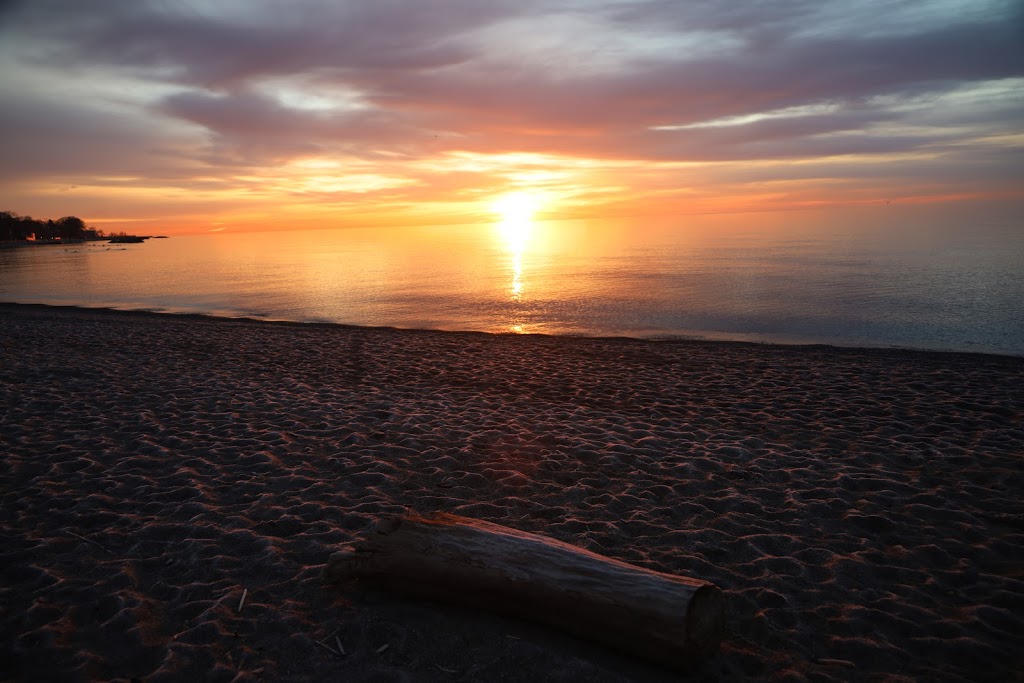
862,509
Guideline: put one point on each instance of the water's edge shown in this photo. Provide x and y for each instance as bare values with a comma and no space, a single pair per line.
724,339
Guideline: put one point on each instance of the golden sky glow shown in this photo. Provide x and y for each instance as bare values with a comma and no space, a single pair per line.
171,116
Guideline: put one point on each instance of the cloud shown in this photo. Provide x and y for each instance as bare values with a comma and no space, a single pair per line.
235,42
419,63
49,137
393,91
681,91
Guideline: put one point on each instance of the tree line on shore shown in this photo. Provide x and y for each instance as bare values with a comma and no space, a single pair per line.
14,227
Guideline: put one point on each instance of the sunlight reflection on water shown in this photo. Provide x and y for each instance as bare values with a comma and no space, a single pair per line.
515,232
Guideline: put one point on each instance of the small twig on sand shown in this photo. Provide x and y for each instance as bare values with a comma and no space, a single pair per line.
341,648
324,639
213,606
241,602
328,648
89,540
825,661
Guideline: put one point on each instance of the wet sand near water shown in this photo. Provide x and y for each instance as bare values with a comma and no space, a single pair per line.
171,487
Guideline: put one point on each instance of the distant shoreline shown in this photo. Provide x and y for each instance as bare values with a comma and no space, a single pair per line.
14,244
110,239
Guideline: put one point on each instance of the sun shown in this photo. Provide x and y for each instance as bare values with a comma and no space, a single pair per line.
516,210
516,207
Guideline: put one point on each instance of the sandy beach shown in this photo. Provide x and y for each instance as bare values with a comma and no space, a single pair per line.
862,510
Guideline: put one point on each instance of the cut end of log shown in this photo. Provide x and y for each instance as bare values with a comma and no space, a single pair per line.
390,525
705,621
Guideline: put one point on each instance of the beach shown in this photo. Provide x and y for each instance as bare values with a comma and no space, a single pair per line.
172,487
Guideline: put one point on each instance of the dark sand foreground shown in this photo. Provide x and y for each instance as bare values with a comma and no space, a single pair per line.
863,510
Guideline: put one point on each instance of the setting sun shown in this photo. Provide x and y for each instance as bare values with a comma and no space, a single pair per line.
516,207
516,210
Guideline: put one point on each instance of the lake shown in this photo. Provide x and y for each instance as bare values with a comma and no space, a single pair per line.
933,277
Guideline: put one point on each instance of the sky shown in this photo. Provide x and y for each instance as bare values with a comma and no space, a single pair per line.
187,115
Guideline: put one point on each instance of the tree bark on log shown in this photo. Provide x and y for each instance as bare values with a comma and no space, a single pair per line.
672,620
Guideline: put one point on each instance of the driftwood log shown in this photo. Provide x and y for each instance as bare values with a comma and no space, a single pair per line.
673,620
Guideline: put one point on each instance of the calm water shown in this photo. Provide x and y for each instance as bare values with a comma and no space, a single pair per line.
883,276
